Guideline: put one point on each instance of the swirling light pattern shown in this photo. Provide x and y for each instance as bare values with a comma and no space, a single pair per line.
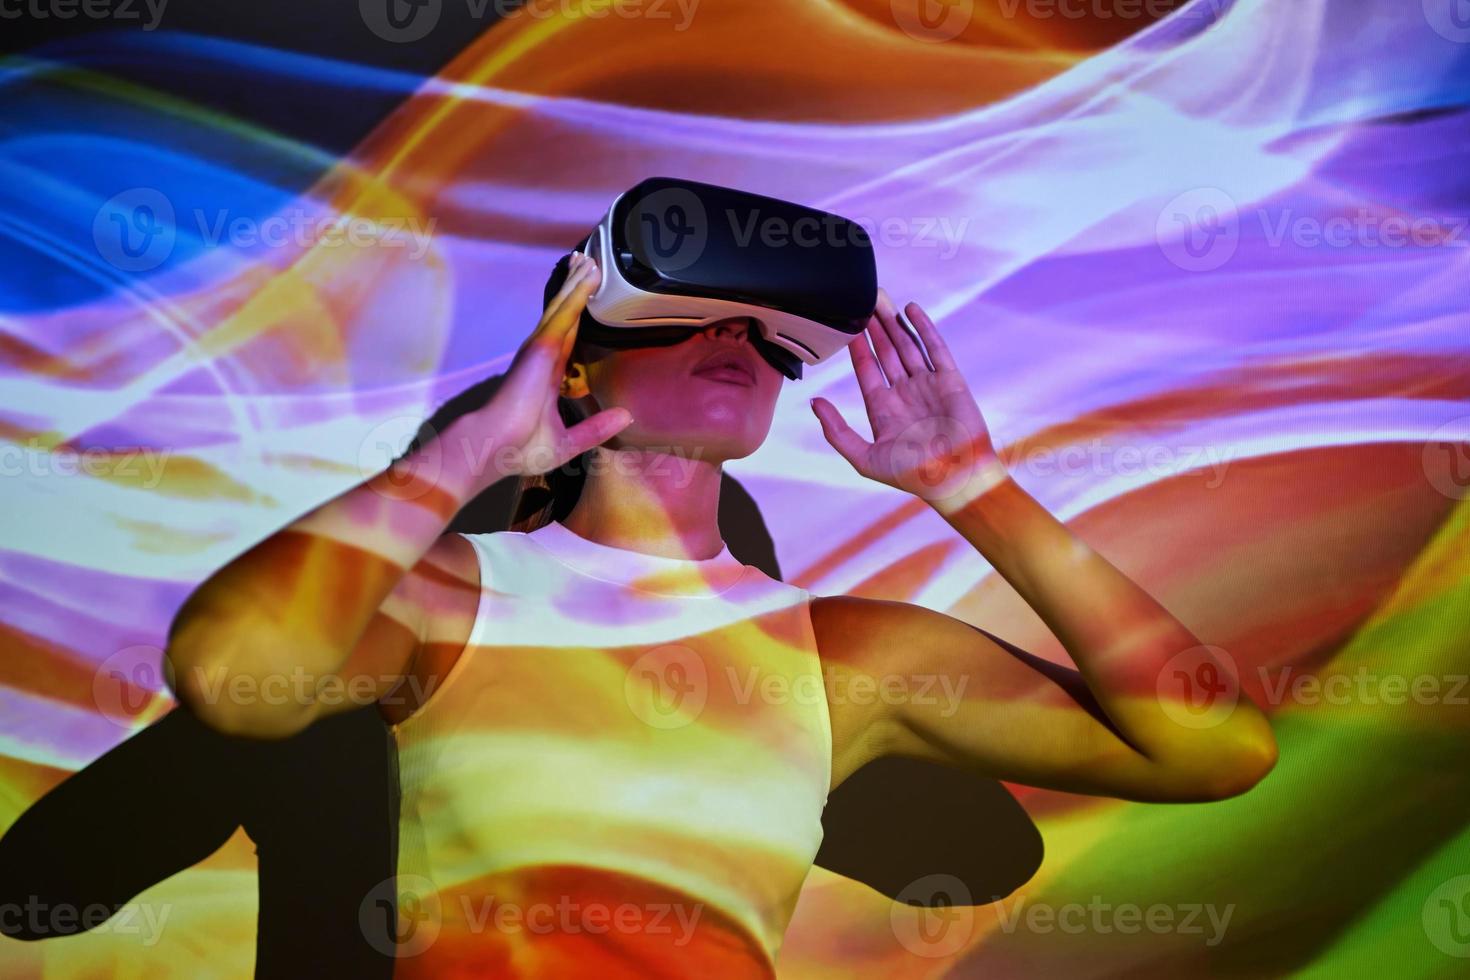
1206,274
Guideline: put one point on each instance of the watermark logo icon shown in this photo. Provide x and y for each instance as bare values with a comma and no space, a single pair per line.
668,686
129,688
933,916
934,457
401,915
932,21
1447,459
673,224
1199,231
1446,917
409,476
135,231
400,21
1195,689
1450,19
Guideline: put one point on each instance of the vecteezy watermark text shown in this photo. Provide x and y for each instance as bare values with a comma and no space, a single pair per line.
1100,917
150,12
404,915
40,919
1364,686
1101,457
138,230
126,685
407,21
138,466
669,686
935,916
1202,229
810,231
936,21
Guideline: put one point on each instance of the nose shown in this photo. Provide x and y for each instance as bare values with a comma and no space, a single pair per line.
737,327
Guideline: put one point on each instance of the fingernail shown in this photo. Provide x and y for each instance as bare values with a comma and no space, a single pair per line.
813,403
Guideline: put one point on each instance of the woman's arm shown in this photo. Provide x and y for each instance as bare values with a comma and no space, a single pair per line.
1110,726
327,613
121,825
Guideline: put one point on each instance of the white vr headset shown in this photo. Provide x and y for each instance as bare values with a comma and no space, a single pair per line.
678,255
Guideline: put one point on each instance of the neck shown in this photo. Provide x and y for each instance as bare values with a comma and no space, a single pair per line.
658,503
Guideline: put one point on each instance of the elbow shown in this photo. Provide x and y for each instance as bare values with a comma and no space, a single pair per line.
224,704
1241,771
194,671
223,674
1208,772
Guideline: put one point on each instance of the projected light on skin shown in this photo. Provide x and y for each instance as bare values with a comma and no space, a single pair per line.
496,780
1316,372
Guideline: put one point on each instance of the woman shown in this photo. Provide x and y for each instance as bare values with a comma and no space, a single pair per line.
615,740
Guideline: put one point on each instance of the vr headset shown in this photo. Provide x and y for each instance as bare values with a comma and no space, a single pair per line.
678,255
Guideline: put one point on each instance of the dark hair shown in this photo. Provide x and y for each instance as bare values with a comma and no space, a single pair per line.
535,500
545,497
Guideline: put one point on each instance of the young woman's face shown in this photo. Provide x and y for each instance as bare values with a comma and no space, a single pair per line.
711,397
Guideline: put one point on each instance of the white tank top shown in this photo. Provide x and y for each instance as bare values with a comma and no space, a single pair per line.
623,774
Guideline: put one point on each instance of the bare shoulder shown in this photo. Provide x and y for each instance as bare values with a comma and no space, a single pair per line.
446,587
441,595
452,554
854,630
861,641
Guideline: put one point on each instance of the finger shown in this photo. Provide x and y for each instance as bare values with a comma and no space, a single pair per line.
550,331
547,343
934,345
904,344
594,430
870,376
576,269
883,344
568,312
865,366
849,445
568,341
561,328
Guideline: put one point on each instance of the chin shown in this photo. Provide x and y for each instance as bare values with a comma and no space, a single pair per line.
713,444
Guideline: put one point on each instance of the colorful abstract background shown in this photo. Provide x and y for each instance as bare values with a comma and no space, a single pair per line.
1206,266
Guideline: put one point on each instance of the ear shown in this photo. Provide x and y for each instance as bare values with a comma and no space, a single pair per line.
574,381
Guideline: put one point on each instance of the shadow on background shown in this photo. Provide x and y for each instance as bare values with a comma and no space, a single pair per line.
322,809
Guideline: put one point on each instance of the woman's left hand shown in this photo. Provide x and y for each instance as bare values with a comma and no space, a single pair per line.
929,437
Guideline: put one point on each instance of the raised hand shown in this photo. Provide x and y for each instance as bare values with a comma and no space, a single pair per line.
929,437
522,419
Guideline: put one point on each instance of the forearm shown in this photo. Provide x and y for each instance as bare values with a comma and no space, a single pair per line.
53,856
1123,642
297,602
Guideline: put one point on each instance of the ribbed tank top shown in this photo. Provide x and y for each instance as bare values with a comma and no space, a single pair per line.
622,775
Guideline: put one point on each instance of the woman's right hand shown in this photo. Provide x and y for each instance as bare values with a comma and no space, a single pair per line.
346,594
522,419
